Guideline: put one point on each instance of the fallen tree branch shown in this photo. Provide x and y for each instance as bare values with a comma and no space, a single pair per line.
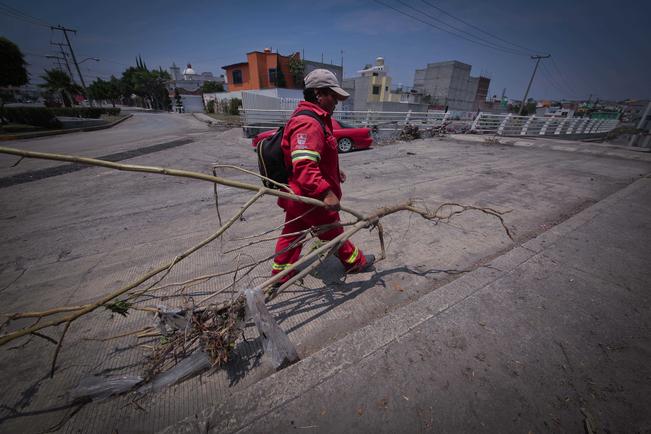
169,172
213,326
91,307
58,348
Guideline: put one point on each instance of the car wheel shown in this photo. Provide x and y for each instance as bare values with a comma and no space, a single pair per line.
345,144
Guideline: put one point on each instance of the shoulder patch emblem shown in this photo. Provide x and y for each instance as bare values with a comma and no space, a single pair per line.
301,138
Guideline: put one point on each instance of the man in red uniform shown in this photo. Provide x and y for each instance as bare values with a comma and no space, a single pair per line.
310,151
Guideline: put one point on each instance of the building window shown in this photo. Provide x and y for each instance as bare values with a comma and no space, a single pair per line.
272,75
376,90
386,88
237,76
375,74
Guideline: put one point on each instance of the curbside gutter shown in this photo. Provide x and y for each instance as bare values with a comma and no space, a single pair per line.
36,134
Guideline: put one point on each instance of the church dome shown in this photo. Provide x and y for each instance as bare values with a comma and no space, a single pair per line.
189,70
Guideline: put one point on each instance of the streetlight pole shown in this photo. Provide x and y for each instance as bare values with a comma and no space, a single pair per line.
526,94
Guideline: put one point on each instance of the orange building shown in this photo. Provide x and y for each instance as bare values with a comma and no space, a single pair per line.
261,72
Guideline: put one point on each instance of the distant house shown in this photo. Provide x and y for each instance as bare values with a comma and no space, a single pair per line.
262,70
268,70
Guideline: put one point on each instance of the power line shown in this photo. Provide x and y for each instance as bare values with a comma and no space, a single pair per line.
447,31
479,29
556,84
533,74
22,16
563,78
480,39
27,53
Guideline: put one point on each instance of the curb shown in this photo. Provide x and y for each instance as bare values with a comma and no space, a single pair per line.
205,119
243,408
595,149
59,132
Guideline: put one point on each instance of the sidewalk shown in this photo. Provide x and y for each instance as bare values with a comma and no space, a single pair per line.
552,336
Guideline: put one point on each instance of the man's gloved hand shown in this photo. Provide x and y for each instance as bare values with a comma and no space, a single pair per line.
332,201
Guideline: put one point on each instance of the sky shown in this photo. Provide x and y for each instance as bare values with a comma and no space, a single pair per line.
599,48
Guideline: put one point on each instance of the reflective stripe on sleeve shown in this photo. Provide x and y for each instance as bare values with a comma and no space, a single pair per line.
304,154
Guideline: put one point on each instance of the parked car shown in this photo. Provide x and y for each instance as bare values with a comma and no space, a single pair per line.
348,137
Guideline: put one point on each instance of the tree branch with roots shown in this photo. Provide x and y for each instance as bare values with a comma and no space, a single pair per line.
213,327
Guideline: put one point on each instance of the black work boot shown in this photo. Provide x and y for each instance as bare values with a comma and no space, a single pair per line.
362,266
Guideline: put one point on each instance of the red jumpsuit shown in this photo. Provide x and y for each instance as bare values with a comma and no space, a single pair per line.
314,163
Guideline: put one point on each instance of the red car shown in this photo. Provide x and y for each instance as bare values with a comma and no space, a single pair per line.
348,138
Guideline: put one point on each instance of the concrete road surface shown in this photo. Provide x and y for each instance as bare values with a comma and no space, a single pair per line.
69,238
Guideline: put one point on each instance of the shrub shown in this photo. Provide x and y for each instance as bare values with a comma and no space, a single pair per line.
78,112
85,112
234,105
37,116
210,107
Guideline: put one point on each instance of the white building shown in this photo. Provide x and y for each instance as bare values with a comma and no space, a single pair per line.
189,81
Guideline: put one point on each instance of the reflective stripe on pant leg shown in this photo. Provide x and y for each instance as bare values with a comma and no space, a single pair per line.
353,257
277,268
349,254
285,254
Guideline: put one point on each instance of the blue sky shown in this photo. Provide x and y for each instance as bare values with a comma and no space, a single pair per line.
598,47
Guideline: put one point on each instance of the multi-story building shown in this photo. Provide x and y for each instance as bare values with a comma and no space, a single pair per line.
311,65
268,70
371,90
449,84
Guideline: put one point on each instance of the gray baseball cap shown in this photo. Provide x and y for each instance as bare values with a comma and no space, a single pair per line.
320,78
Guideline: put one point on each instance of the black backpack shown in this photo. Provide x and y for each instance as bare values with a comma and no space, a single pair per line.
271,161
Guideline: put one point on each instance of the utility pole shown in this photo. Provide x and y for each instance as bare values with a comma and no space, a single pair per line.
72,53
526,94
58,59
64,55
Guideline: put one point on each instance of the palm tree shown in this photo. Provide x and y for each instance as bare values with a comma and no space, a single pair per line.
58,82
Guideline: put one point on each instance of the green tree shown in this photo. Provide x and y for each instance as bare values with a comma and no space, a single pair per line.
149,85
58,83
212,87
114,90
99,90
280,78
297,69
12,67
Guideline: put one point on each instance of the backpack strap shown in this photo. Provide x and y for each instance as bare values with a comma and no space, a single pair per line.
313,115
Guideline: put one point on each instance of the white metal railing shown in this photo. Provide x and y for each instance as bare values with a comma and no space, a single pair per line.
511,125
484,123
383,120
